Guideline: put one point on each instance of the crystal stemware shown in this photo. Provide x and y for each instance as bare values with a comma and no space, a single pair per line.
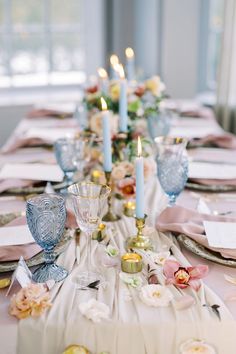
70,156
46,216
172,165
158,124
89,201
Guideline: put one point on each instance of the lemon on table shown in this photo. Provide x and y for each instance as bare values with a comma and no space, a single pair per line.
4,283
76,349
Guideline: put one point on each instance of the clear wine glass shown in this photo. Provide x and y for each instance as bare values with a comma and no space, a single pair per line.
46,216
172,165
89,201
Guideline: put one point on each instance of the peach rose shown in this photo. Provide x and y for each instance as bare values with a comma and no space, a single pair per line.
127,186
149,166
30,301
96,123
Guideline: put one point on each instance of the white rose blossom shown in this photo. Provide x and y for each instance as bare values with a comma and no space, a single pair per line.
159,258
94,310
155,295
131,279
193,346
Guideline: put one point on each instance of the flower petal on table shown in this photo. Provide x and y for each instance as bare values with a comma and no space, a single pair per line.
198,272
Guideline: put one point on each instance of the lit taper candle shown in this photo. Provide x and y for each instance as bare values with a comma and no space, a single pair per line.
139,172
130,65
114,65
123,106
107,156
103,80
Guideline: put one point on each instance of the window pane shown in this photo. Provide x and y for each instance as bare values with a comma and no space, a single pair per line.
26,12
66,11
28,54
2,17
68,53
3,67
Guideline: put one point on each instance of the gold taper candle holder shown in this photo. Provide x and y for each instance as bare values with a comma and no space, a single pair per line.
110,215
140,241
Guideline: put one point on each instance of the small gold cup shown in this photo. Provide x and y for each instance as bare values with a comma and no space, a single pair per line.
129,208
131,263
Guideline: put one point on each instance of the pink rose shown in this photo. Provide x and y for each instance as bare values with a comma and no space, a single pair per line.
127,186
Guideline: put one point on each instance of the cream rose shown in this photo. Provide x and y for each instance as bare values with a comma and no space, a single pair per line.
193,346
94,310
155,295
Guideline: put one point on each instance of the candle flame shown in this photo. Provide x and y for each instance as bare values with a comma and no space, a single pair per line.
121,71
129,53
114,59
102,73
139,147
104,104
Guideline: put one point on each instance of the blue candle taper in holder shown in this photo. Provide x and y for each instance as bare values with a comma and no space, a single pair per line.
123,106
139,172
114,64
130,67
103,80
107,156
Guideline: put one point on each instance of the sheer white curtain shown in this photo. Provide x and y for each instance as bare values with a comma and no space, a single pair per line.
226,95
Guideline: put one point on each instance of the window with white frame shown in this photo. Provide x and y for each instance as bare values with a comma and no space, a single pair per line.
41,42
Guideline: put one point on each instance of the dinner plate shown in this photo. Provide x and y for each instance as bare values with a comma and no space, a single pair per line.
205,253
36,189
39,258
210,188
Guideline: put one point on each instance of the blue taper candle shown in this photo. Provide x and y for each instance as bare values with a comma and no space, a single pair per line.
139,172
107,154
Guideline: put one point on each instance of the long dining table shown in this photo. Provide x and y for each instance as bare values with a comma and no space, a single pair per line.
132,326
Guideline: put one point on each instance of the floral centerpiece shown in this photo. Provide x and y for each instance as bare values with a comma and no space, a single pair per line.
142,99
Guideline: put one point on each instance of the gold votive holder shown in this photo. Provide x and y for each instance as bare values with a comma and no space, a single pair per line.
100,233
96,176
110,215
75,349
131,263
129,208
140,240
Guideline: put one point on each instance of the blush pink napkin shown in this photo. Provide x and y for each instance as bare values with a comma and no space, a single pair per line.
14,183
180,220
217,182
48,113
227,141
13,253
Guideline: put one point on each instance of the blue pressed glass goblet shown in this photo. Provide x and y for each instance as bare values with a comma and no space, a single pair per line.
158,124
70,156
46,216
172,165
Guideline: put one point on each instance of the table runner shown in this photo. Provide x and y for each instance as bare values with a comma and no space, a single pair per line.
134,327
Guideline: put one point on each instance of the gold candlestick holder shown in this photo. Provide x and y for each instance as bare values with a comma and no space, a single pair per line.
110,215
140,240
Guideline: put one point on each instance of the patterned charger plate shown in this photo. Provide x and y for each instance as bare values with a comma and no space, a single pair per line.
36,189
38,258
210,188
203,252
